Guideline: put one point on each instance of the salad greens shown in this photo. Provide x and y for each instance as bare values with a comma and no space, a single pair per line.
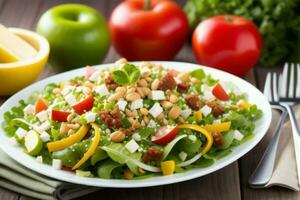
168,125
278,22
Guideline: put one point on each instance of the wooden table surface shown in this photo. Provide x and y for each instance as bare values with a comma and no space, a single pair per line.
228,183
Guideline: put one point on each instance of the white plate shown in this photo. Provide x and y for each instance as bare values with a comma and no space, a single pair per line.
254,96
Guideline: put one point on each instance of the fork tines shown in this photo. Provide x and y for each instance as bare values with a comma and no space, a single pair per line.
290,82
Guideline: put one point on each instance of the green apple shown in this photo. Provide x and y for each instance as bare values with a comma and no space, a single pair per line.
78,36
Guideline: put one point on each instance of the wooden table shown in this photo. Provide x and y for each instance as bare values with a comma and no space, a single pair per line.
228,183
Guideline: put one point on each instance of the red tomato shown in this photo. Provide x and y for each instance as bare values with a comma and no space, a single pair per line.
84,105
58,115
68,169
165,134
155,33
89,71
229,43
40,105
219,92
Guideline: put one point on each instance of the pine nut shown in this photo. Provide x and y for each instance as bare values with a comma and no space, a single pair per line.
173,98
128,174
121,61
148,79
117,136
181,120
174,112
88,84
146,91
134,113
165,121
70,117
128,113
140,91
131,90
183,76
160,117
136,124
63,128
71,131
143,83
194,80
73,126
144,111
132,96
146,119
131,120
154,84
56,91
115,97
121,90
166,104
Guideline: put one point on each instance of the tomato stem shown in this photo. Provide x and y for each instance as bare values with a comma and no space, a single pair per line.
147,4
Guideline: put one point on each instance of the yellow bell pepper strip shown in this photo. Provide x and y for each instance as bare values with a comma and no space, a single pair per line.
66,142
167,167
243,104
207,134
92,148
198,115
225,126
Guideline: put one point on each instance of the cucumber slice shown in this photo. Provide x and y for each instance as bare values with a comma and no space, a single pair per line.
33,143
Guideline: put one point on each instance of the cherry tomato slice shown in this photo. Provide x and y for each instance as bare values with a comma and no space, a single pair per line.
165,134
60,116
68,169
219,92
84,105
40,105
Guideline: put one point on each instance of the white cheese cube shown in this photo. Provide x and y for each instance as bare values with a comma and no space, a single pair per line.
156,110
90,117
132,146
122,104
136,137
238,135
43,127
29,109
70,98
21,133
42,116
157,95
137,104
186,113
193,138
56,164
39,159
67,89
95,76
217,121
45,136
102,90
182,155
152,124
206,110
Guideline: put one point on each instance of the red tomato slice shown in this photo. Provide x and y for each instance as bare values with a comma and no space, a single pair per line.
220,93
84,105
68,169
40,105
60,116
165,134
89,71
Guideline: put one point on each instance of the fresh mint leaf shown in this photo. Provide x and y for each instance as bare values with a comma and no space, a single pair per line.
120,77
198,74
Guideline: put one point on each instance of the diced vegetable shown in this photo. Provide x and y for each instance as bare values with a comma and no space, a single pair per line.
84,105
92,148
219,92
164,135
225,126
66,142
58,115
33,143
167,167
40,105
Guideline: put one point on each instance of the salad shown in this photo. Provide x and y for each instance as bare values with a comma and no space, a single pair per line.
132,121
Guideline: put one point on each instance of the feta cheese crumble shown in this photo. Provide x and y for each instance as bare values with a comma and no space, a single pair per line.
137,104
102,90
42,116
70,98
56,164
206,110
182,155
132,146
90,117
29,109
238,135
122,104
157,95
45,137
186,113
21,133
155,110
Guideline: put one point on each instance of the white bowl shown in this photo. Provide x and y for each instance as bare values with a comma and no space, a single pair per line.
253,95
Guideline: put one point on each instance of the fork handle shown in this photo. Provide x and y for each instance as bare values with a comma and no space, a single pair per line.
264,169
296,137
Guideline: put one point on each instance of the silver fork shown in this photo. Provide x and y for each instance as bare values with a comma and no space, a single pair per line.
290,95
263,172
